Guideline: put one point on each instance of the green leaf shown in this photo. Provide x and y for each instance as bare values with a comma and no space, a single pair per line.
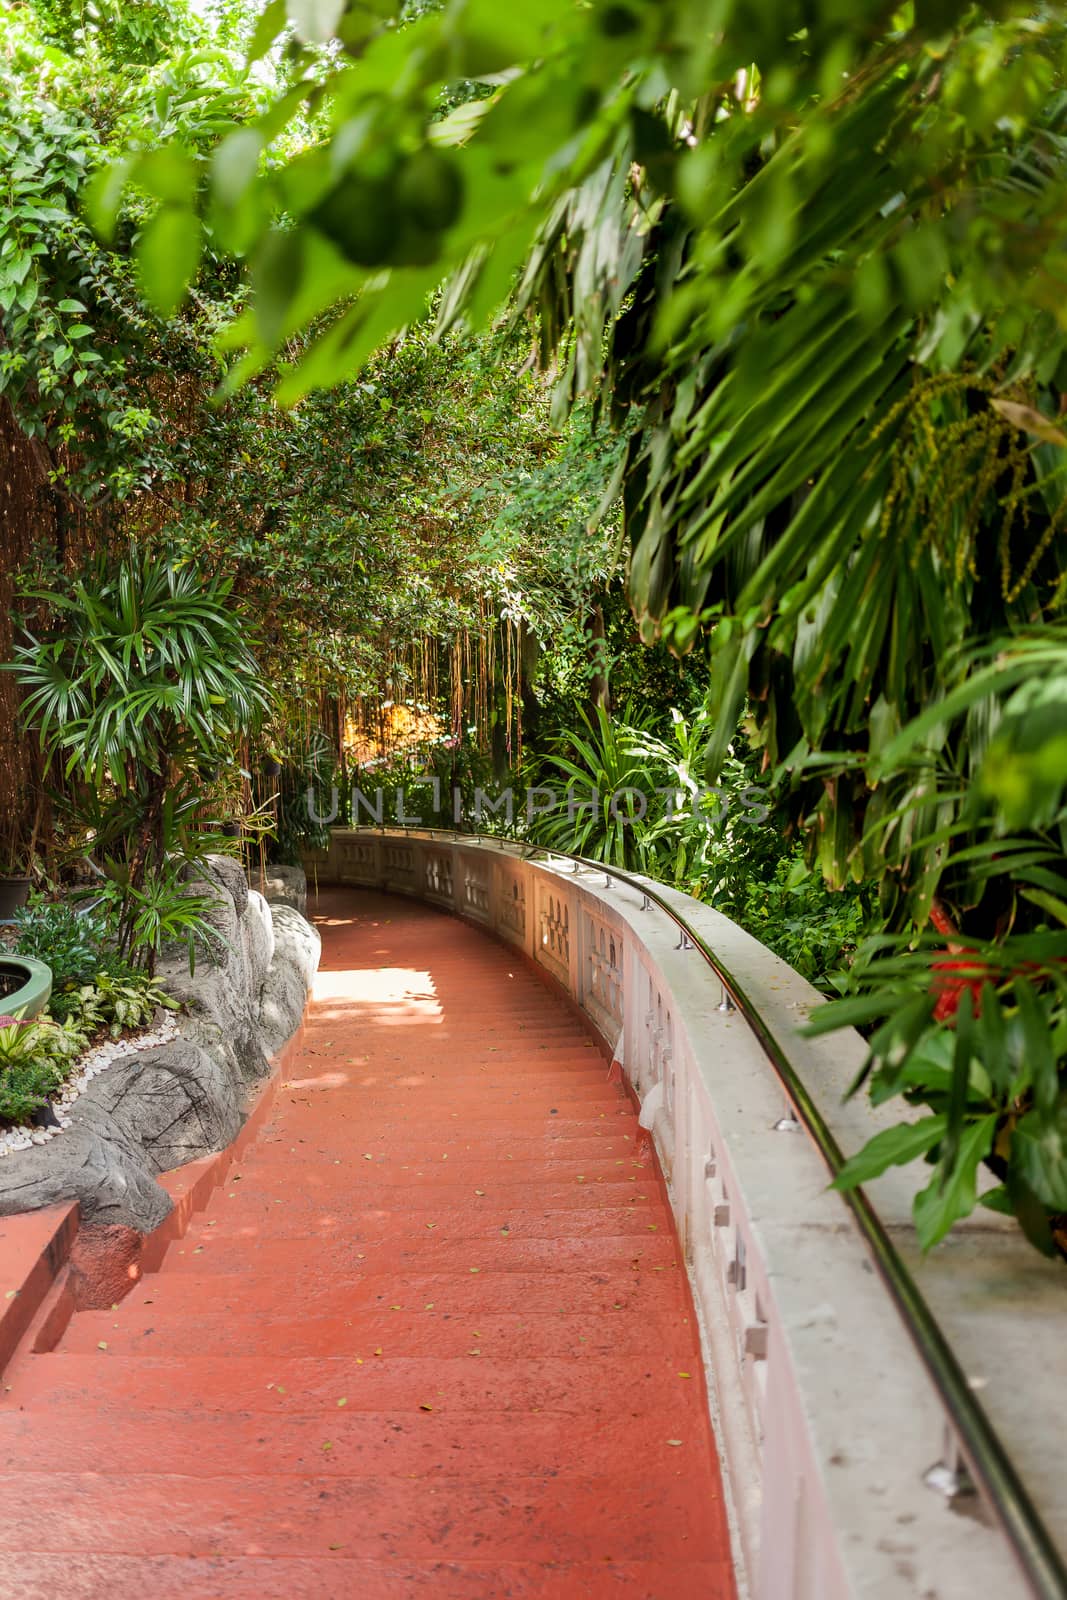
961,1076
998,1200
953,1194
1051,903
103,195
892,1148
236,164
1039,1151
168,253
167,174
1040,1056
1030,1213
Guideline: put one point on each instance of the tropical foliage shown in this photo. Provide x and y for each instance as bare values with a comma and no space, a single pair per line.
35,1057
145,686
633,797
798,283
818,267
96,994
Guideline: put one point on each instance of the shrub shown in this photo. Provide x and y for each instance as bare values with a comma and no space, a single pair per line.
117,1002
75,946
52,931
814,928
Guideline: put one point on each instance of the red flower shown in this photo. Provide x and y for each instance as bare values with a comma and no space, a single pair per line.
950,991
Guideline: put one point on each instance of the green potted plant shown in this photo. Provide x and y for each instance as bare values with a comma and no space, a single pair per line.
15,882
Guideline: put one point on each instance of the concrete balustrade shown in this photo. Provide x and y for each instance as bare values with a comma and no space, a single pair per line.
827,1421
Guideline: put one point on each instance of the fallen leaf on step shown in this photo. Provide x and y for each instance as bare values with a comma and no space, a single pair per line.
343,1401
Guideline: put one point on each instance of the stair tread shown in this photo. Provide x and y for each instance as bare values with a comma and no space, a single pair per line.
42,1577
622,1515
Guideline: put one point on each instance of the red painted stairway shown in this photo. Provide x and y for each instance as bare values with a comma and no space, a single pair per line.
432,1336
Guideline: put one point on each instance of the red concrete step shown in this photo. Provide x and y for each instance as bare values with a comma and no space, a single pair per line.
622,1517
250,1185
319,1291
317,1384
43,1577
641,1195
401,1444
140,1330
541,1134
434,1251
528,1066
262,1213
384,1172
516,1106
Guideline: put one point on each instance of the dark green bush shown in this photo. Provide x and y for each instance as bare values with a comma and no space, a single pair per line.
74,944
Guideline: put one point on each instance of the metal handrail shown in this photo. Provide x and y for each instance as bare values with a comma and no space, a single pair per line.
989,1463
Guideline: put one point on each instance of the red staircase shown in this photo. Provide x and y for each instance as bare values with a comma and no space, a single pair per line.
432,1337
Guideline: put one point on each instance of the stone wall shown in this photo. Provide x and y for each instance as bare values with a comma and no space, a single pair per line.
157,1109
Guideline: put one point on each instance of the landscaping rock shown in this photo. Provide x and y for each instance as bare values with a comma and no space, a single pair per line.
284,886
258,931
158,1108
221,1014
176,1102
297,947
229,874
91,1164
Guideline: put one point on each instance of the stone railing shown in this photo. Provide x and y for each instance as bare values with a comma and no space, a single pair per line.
842,1471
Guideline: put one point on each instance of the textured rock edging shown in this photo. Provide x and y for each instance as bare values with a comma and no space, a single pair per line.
158,1109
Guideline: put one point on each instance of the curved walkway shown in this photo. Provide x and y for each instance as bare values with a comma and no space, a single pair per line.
433,1337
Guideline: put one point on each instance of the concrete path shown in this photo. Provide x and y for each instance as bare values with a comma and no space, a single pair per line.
432,1338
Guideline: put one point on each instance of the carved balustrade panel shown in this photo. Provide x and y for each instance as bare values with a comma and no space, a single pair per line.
554,931
602,977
